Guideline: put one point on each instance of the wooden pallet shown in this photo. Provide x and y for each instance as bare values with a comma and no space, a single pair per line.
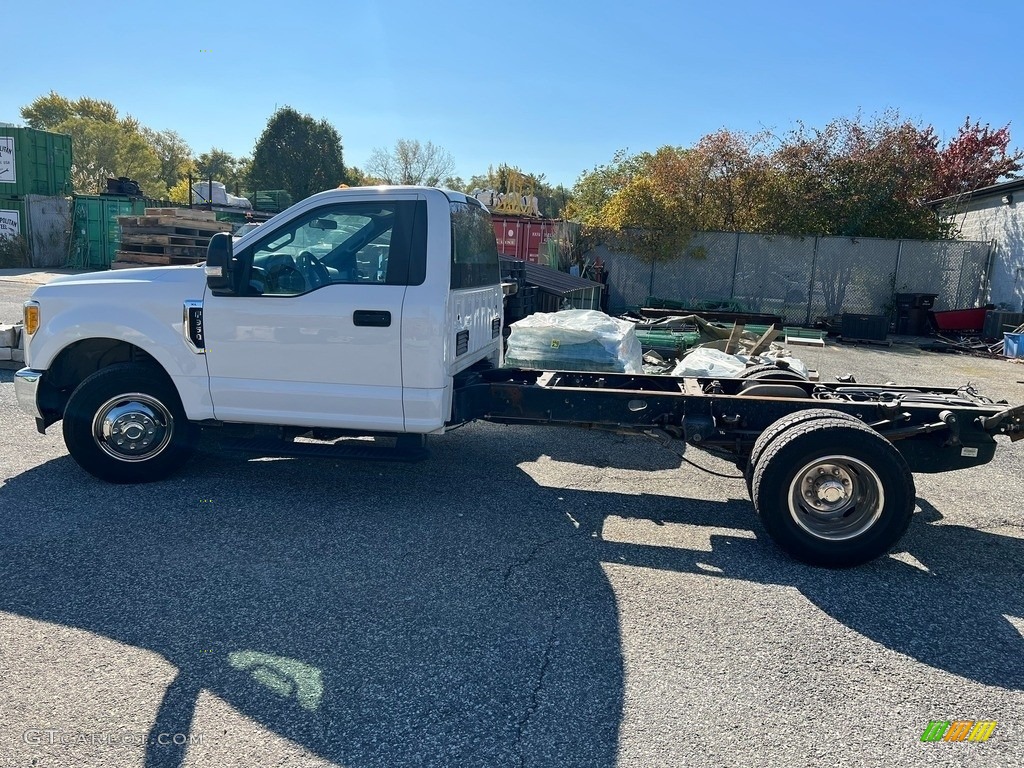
178,230
148,239
195,251
182,213
153,259
175,221
157,224
166,236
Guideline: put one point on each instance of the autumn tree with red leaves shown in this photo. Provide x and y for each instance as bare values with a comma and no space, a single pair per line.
854,177
977,157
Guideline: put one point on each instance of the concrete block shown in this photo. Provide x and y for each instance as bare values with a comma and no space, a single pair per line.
8,335
18,355
5,353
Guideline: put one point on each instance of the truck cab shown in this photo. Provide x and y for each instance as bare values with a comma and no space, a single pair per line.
353,310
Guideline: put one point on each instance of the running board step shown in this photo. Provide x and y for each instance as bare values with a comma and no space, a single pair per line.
403,451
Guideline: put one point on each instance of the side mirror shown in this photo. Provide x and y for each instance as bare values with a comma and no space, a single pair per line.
219,263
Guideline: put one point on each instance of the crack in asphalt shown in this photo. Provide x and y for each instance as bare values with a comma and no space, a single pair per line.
538,686
523,562
549,643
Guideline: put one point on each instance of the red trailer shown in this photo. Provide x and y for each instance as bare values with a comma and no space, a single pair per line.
520,237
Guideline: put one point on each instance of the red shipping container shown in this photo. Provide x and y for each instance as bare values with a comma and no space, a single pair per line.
522,238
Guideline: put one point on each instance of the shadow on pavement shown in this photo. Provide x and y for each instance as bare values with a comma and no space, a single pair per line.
951,616
450,612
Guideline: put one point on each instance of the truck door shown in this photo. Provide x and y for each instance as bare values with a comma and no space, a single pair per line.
314,338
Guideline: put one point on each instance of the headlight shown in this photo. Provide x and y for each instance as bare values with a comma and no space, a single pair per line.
31,317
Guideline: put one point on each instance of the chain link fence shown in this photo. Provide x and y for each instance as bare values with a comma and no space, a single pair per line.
802,278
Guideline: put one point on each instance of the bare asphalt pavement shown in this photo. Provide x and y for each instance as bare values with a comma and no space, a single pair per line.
16,285
526,597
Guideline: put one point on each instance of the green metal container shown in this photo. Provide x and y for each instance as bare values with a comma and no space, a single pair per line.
97,234
34,162
235,217
273,200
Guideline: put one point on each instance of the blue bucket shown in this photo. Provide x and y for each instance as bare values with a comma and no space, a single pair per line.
1013,345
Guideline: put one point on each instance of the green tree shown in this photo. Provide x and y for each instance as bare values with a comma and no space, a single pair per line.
410,162
855,178
224,167
636,203
174,153
594,189
243,173
298,154
179,193
455,183
642,219
47,112
354,177
103,144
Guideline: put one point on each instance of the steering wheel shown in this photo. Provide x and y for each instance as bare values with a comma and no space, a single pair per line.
284,278
313,270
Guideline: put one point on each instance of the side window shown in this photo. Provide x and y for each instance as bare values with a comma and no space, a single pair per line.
474,249
345,243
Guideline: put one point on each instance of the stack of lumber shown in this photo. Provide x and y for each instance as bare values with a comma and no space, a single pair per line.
165,236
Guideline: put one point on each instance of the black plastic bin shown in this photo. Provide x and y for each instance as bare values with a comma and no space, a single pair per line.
912,313
915,300
865,327
911,321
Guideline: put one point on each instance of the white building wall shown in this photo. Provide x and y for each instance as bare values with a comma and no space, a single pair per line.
993,220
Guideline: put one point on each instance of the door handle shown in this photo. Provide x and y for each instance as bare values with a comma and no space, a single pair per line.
377,318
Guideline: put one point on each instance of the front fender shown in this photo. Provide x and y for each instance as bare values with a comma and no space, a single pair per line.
156,331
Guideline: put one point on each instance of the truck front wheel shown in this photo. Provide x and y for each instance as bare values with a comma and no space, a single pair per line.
126,424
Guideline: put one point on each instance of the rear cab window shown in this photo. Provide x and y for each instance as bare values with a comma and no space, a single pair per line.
474,249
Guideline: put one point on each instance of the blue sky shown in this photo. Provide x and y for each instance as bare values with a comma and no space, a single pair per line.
554,88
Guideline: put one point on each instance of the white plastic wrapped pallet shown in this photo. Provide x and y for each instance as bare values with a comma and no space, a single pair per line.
713,363
574,339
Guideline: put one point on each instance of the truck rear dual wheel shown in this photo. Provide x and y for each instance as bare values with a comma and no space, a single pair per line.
767,437
767,371
832,492
125,424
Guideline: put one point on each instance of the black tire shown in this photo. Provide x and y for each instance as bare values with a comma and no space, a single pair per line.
125,424
769,371
833,493
780,426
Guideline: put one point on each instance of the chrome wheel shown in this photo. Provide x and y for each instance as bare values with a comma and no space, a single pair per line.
836,498
133,427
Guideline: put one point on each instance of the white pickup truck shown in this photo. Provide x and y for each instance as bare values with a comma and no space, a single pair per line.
330,315
378,312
